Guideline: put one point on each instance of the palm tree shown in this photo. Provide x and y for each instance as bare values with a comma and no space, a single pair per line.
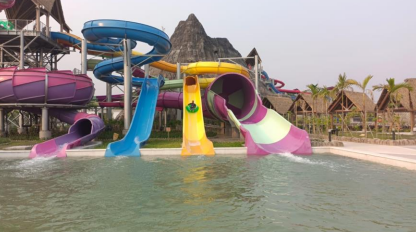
314,90
326,95
393,90
363,87
342,85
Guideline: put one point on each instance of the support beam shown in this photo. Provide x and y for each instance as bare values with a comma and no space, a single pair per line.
160,119
412,122
2,128
48,33
22,51
146,70
21,121
45,133
178,77
127,85
1,58
84,53
109,99
38,17
166,116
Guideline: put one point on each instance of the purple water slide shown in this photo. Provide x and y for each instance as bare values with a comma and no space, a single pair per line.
85,128
38,86
5,4
232,97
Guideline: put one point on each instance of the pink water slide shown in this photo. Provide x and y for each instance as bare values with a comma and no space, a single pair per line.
5,4
24,88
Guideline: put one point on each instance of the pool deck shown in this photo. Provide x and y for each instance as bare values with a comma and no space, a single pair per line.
399,156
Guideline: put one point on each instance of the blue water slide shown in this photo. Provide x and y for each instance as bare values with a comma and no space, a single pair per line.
96,30
142,123
71,39
271,84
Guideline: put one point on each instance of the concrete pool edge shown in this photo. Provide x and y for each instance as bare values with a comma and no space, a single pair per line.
368,156
234,151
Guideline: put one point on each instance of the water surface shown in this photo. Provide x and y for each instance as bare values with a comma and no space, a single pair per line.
273,193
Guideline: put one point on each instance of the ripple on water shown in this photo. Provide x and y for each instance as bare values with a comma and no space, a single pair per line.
273,193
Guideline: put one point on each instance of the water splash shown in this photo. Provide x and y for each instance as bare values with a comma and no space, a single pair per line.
30,163
299,159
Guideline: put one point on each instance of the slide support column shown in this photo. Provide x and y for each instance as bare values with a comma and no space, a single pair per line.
45,133
84,56
109,99
22,50
127,85
146,70
2,129
178,77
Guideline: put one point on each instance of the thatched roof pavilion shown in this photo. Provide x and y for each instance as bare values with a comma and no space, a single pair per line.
278,103
407,99
406,102
351,100
304,104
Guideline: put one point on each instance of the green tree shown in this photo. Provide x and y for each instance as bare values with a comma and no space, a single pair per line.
363,86
342,85
393,91
327,96
314,91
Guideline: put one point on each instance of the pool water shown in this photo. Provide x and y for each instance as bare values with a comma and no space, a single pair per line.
273,193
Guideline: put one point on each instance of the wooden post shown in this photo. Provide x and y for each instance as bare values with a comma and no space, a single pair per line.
412,121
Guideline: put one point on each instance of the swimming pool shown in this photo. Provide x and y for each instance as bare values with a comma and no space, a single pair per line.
273,193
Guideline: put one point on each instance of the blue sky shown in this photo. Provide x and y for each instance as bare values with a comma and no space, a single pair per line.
299,41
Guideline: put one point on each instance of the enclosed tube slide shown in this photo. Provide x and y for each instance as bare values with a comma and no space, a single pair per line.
85,128
5,4
37,86
233,97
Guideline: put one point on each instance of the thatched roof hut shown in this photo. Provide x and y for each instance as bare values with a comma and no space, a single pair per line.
406,101
351,100
278,103
304,104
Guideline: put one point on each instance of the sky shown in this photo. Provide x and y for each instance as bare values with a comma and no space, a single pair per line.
299,41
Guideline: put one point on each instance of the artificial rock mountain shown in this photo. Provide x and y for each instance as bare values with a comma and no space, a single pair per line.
190,43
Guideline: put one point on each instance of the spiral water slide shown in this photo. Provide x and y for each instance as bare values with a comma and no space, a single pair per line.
111,31
277,89
38,86
5,4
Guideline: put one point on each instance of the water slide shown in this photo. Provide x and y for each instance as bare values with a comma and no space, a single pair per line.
195,141
232,97
38,86
5,4
141,126
247,114
273,85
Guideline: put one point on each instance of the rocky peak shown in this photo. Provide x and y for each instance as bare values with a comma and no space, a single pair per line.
190,43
